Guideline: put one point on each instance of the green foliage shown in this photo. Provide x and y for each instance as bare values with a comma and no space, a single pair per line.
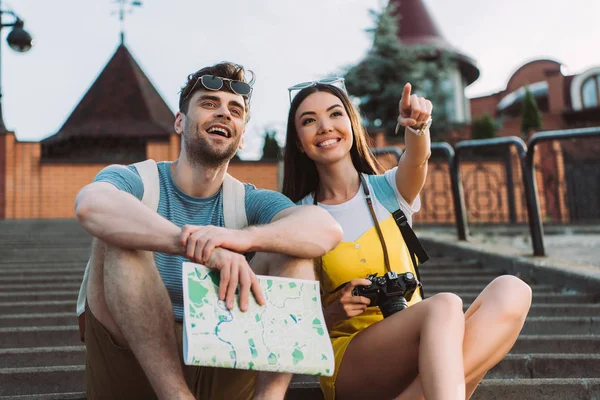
270,146
531,118
484,128
377,81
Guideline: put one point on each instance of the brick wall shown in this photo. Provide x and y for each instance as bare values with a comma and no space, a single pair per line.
45,190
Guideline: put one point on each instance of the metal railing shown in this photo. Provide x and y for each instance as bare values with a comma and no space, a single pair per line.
525,154
533,213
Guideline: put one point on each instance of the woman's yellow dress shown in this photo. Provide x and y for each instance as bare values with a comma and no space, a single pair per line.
353,260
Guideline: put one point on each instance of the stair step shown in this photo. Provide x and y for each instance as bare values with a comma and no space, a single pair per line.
42,356
465,272
49,396
527,366
562,326
546,389
39,319
569,344
33,287
30,276
22,381
39,336
450,263
540,298
21,307
559,310
456,288
41,295
493,389
51,254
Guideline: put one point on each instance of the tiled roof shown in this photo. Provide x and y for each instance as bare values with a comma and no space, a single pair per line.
417,27
122,102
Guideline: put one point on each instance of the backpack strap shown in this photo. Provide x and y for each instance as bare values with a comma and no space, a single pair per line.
148,171
234,203
387,197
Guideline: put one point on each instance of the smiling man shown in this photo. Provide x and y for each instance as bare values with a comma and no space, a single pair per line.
134,304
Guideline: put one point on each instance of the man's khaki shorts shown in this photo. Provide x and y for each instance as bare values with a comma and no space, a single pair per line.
113,373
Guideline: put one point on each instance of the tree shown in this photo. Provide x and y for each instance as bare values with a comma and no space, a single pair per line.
531,118
377,81
271,146
484,128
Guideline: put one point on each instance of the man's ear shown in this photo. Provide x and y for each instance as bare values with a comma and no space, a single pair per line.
241,145
179,121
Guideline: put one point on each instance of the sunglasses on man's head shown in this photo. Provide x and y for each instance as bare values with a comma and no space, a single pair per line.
212,82
339,82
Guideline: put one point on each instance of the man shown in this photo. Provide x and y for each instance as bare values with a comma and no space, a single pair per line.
133,297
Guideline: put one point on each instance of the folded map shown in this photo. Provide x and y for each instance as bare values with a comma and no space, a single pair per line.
288,334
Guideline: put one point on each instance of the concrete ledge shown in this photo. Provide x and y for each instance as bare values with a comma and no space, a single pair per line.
544,270
546,389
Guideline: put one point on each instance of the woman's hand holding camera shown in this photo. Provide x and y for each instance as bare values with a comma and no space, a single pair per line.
347,305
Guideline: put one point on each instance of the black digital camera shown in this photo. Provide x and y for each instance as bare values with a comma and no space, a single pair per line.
390,292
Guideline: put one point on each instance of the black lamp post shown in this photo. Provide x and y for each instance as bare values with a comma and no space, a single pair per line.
19,40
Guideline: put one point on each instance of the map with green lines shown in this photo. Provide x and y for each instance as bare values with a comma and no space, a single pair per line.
288,334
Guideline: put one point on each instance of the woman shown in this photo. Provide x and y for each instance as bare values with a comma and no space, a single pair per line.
430,349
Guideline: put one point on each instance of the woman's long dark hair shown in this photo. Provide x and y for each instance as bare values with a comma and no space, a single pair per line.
300,175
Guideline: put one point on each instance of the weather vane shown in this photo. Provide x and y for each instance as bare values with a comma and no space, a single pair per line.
125,7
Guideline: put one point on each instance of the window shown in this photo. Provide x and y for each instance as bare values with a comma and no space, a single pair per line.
590,92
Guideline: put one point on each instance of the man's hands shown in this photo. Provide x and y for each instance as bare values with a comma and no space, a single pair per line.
219,248
200,241
235,270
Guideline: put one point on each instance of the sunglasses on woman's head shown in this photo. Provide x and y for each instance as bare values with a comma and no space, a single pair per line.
212,82
338,82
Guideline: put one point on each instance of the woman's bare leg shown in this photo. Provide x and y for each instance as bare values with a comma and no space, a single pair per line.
493,323
424,339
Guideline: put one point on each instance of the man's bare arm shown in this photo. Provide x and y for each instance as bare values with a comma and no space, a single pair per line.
120,219
300,231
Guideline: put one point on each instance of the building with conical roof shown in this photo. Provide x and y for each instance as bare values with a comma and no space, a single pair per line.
115,119
418,28
121,119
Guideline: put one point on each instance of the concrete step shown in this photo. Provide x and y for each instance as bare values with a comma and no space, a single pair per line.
527,366
546,389
52,267
39,336
49,396
450,263
456,280
42,356
454,288
40,319
46,295
540,298
39,276
464,272
562,326
23,381
558,310
51,254
493,389
20,307
36,287
569,344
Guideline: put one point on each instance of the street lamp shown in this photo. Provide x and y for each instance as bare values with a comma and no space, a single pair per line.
19,40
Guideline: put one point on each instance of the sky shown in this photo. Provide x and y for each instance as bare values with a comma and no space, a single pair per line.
283,41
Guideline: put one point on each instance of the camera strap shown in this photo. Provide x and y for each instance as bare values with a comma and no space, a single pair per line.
411,240
374,216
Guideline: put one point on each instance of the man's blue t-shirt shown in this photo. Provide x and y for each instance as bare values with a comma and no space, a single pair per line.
182,209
